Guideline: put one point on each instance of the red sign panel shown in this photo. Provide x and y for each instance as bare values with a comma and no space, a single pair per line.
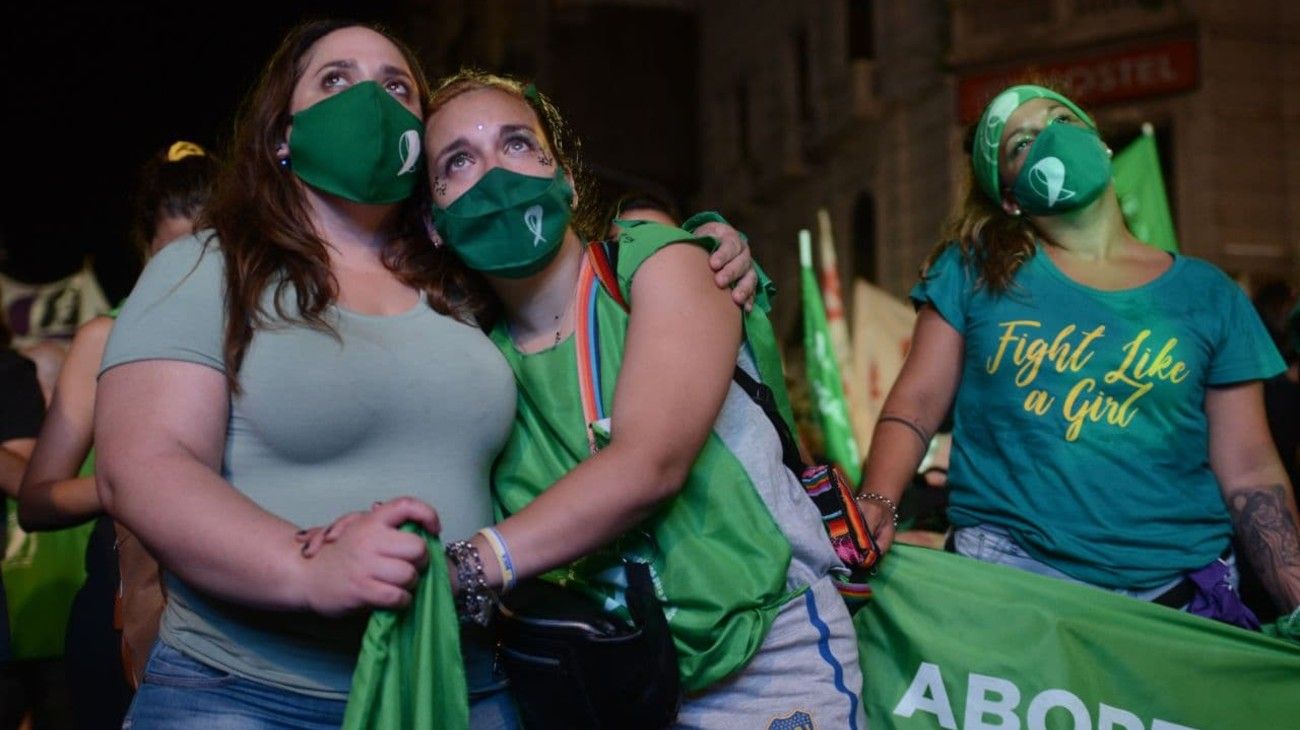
1093,79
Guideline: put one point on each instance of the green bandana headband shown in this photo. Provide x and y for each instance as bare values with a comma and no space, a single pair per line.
988,134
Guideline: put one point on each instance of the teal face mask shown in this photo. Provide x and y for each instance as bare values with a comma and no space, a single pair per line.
508,225
360,144
1066,169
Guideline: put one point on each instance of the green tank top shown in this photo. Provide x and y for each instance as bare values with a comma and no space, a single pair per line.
718,556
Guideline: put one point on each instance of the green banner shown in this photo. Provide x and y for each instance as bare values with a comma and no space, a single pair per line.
829,404
949,642
1141,191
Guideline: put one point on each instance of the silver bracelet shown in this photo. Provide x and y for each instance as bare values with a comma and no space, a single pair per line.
475,600
882,499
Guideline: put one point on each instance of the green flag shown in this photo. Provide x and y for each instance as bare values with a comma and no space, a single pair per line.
1141,191
950,642
829,405
410,673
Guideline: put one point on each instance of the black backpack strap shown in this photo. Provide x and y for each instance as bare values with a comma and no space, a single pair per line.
766,399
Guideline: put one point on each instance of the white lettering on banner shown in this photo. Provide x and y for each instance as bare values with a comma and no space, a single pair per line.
993,703
1053,698
1113,718
979,687
927,694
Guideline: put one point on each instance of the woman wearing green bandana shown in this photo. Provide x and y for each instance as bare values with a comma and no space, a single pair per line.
1106,395
308,356
684,472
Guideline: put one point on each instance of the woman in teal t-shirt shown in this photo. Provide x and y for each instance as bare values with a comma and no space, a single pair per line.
1106,395
686,472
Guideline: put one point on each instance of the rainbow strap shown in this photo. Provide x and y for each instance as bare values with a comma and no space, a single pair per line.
596,272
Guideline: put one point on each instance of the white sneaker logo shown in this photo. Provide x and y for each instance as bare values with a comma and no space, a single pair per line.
533,219
409,148
1047,178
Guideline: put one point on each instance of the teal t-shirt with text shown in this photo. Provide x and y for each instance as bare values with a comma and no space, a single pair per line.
1079,424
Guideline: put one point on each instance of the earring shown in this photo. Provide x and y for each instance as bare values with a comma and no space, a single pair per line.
284,163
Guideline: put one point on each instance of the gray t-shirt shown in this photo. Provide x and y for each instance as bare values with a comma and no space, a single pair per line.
416,403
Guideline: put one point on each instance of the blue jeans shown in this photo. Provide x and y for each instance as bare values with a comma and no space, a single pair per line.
992,544
183,693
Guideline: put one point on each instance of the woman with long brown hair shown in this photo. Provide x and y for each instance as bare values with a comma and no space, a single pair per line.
316,357
1109,427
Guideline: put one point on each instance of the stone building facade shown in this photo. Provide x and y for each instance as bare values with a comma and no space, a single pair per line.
769,109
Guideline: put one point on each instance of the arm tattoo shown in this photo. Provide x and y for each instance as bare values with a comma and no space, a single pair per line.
1267,534
910,424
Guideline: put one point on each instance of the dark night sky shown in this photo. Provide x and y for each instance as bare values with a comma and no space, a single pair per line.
95,89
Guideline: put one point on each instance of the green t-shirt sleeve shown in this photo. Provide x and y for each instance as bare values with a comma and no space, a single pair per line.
1244,350
640,240
946,286
766,291
177,309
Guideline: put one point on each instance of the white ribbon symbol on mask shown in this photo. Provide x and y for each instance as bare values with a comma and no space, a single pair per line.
409,148
533,219
1048,179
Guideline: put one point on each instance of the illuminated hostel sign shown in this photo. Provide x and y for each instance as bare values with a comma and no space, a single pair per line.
1092,78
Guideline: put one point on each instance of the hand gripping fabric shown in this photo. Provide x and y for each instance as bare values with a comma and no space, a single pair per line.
410,673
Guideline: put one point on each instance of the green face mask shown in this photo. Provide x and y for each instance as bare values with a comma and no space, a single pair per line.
360,144
508,225
1066,169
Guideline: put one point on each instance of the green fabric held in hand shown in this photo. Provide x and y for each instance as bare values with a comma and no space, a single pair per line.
948,640
1286,627
410,673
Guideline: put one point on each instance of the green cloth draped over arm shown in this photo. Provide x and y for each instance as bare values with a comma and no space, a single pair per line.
410,673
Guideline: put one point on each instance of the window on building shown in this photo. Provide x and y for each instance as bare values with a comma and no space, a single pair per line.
864,238
744,132
803,68
862,30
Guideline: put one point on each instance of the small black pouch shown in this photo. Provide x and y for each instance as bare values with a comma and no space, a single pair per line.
573,665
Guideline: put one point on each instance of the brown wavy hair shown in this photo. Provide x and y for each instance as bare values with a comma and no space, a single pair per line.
994,243
588,216
266,234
